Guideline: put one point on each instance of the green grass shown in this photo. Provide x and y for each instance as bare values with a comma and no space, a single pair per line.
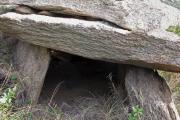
136,114
174,29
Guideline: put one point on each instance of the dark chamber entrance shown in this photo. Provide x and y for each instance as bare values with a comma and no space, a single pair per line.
83,89
74,77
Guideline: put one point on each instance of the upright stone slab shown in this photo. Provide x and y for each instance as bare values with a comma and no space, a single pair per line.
151,92
32,62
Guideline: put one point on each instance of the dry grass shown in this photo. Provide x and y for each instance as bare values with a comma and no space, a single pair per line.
173,80
83,109
110,107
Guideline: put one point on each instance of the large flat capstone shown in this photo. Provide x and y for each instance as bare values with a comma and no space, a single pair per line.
137,36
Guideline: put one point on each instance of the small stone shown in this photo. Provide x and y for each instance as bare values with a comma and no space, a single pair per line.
24,10
46,13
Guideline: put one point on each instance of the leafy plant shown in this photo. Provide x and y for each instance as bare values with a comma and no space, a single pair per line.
174,29
7,98
136,113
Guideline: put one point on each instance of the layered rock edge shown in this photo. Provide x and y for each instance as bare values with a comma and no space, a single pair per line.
138,44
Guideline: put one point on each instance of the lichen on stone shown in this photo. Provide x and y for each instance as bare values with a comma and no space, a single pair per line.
174,29
6,8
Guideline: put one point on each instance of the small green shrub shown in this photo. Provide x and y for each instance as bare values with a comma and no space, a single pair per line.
136,113
7,98
174,29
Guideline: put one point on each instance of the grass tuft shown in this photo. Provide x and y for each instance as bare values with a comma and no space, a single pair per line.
173,80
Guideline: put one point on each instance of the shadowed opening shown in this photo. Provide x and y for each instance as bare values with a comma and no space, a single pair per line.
76,84
73,76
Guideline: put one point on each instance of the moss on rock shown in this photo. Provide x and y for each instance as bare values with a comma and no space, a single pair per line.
174,29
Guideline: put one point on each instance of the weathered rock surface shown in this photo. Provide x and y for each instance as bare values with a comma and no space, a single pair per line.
6,8
155,49
6,48
32,62
151,92
132,14
175,3
137,36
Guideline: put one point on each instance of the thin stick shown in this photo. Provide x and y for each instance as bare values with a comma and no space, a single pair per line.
113,86
54,93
